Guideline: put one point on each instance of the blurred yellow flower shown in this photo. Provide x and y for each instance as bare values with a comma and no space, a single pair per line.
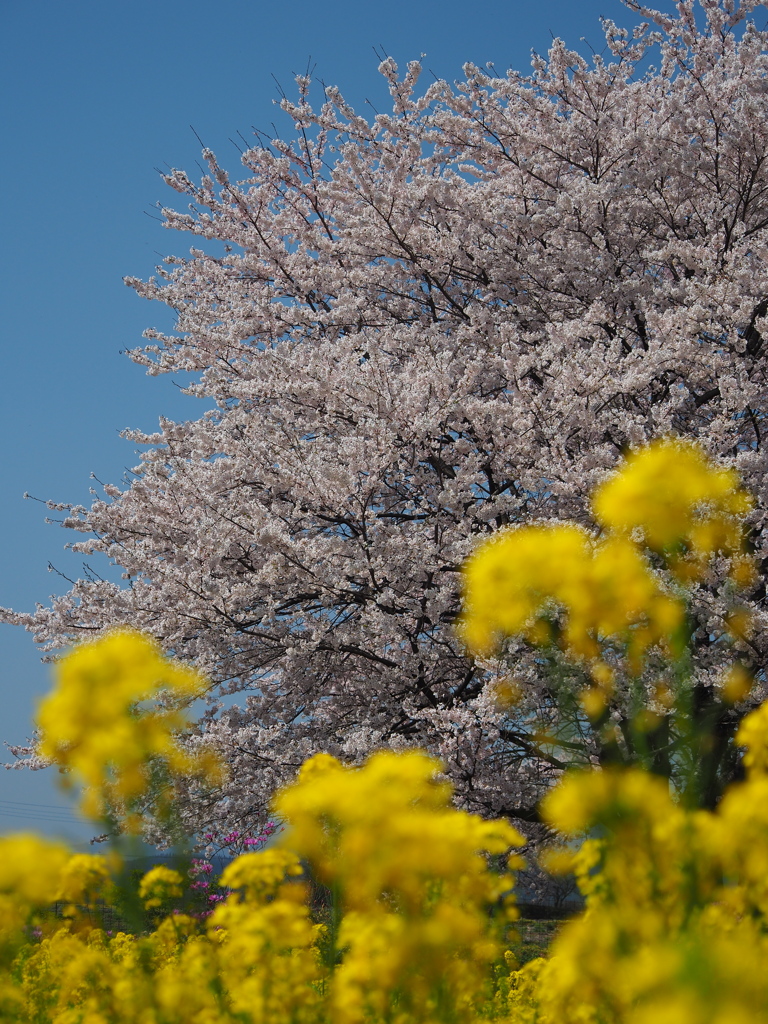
555,582
93,724
31,868
677,498
159,885
606,591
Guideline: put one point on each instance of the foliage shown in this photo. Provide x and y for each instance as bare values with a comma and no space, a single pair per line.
452,318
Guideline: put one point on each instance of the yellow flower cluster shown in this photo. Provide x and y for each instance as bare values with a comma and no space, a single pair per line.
675,928
413,880
676,925
554,582
410,936
160,885
35,873
96,726
31,868
684,505
517,582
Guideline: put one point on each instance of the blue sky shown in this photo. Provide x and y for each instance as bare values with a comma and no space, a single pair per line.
98,94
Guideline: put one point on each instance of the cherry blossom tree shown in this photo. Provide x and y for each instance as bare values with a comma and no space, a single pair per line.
418,329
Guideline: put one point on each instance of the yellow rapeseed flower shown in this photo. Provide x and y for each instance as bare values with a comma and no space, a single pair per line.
554,582
84,877
258,875
394,816
413,880
679,499
31,868
518,575
159,885
94,727
605,590
753,734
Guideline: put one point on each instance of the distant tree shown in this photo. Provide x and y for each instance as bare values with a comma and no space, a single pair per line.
419,329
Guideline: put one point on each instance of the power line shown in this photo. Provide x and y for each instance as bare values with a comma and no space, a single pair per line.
39,812
24,803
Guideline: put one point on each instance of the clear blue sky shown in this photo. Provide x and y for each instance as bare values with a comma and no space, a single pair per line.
96,95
